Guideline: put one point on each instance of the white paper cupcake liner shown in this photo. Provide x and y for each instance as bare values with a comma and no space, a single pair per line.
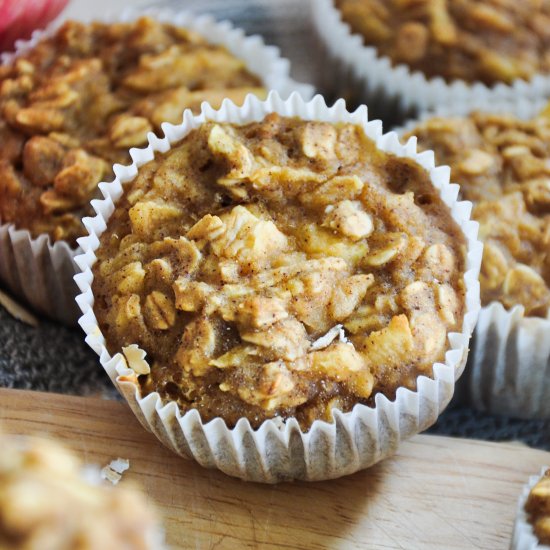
524,537
395,91
509,366
39,272
42,272
281,451
508,369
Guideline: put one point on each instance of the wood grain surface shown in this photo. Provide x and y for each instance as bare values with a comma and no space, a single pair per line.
436,493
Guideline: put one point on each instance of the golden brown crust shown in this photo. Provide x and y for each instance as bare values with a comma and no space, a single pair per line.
503,165
492,41
233,259
73,106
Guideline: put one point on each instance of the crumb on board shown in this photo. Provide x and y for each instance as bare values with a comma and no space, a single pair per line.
114,470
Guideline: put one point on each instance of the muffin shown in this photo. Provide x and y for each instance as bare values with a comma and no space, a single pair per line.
467,40
280,269
532,527
430,53
538,508
502,164
73,103
48,503
276,270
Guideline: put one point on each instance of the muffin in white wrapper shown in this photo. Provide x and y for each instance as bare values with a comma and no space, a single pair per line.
509,362
279,450
395,92
41,272
523,537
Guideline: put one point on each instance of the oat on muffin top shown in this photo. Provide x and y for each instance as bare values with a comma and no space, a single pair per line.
538,508
485,41
502,164
45,503
280,268
75,103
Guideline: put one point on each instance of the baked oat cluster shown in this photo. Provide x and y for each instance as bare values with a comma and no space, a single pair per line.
281,268
502,164
74,105
538,508
45,504
477,41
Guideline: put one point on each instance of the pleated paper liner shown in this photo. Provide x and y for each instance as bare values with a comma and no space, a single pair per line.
281,450
508,370
41,272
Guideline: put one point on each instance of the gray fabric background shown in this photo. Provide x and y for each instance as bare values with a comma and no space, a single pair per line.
55,358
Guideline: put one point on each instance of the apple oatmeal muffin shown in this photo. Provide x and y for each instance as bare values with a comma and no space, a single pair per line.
76,102
46,503
475,41
537,508
280,268
502,164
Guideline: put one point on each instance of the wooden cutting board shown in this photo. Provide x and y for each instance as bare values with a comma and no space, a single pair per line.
436,493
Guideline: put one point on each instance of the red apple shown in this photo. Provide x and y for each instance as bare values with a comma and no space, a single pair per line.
18,18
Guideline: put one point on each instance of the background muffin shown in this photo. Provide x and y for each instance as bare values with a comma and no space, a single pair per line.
47,503
502,165
501,162
258,177
73,106
532,526
468,40
538,508
74,103
415,56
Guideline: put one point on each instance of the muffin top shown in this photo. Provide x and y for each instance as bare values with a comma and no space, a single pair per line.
75,103
485,41
502,164
538,508
46,503
280,268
